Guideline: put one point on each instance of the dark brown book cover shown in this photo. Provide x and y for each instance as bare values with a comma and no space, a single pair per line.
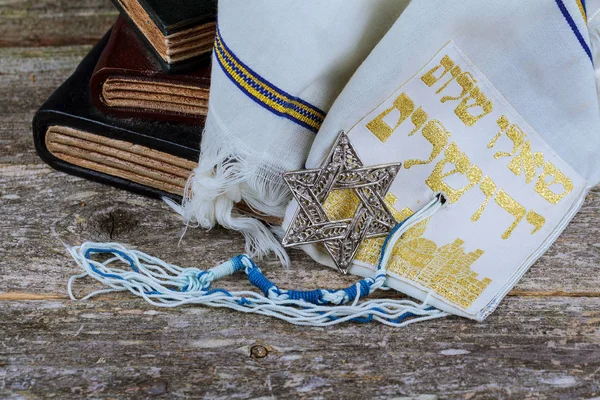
128,81
149,157
179,32
144,156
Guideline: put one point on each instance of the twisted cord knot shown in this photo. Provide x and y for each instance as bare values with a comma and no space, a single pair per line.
379,281
246,263
196,280
167,285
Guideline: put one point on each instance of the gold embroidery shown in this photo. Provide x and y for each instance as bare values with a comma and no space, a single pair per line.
466,81
341,204
476,98
536,220
454,72
437,135
526,161
446,270
503,123
514,133
513,207
370,249
462,166
380,128
488,187
418,119
430,79
542,187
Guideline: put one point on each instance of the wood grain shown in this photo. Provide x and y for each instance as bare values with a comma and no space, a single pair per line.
543,342
125,349
54,22
71,210
28,75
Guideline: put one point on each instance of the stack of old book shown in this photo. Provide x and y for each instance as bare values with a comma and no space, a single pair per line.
132,114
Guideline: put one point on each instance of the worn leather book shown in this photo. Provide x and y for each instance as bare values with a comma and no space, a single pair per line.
128,81
148,157
180,32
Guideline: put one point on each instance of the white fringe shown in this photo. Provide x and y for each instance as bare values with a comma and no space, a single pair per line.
166,285
223,179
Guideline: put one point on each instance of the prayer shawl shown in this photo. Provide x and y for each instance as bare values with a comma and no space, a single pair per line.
491,107
494,104
277,68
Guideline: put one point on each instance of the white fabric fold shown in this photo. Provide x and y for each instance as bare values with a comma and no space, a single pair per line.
528,51
274,61
535,59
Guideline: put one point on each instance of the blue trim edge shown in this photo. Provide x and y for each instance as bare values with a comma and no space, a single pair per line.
573,25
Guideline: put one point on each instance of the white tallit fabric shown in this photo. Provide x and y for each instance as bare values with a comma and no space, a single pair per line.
277,68
528,50
539,55
593,13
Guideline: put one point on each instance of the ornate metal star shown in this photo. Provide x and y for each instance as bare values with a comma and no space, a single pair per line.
341,170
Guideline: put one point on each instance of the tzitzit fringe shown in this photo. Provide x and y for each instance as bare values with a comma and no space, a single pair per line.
225,177
165,285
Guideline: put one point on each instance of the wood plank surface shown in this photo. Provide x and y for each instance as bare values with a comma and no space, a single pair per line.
70,210
543,342
54,22
125,349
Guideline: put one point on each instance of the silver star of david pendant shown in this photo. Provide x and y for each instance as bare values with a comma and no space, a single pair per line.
341,170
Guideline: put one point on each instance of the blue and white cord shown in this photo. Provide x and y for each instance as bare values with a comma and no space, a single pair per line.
166,285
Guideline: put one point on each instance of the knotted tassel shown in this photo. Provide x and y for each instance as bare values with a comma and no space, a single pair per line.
166,285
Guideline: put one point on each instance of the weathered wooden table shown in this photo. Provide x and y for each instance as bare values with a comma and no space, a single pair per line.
543,341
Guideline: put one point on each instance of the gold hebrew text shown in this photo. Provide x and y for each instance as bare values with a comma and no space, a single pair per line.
437,135
474,104
462,165
557,178
503,123
536,220
380,128
526,161
446,65
475,100
467,83
513,208
418,119
454,73
488,187
513,132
